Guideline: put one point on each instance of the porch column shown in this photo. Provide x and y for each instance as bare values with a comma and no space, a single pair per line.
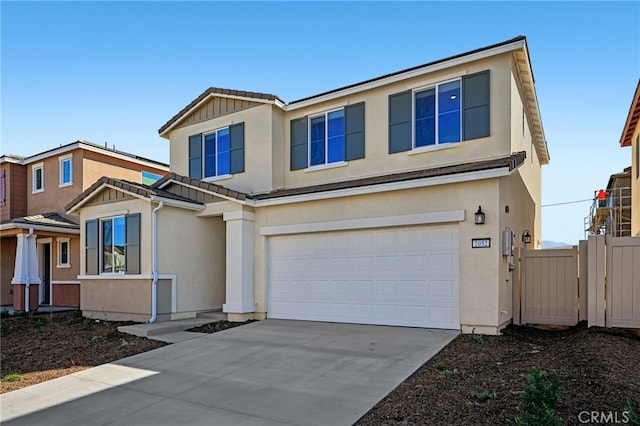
25,271
239,274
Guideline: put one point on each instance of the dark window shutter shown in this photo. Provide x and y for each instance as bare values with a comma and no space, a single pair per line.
236,143
400,122
354,131
299,143
195,156
91,247
475,105
132,243
3,193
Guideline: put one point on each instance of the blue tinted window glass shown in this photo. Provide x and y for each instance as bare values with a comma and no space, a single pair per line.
335,136
449,112
66,171
425,124
118,244
316,145
223,152
210,155
107,244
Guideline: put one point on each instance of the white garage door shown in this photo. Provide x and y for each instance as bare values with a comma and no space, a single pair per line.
393,276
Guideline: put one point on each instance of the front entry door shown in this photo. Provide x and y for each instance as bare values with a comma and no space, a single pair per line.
46,274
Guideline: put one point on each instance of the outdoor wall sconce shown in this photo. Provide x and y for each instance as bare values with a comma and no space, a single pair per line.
479,216
526,237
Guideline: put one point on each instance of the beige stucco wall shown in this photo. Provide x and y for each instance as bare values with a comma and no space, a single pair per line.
96,165
54,197
258,150
193,249
116,299
479,274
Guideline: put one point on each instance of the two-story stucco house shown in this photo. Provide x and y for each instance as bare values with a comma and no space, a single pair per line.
396,200
40,243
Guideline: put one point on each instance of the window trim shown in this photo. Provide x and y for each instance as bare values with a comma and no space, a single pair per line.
325,114
59,242
34,168
61,161
434,86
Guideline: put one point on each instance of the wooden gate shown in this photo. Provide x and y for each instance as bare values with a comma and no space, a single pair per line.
623,282
548,287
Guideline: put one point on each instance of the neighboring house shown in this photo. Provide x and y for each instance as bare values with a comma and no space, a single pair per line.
40,243
631,137
614,217
360,204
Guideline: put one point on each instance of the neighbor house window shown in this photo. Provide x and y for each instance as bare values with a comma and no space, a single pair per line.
328,137
3,193
638,157
63,252
66,170
447,112
38,177
149,178
217,153
112,245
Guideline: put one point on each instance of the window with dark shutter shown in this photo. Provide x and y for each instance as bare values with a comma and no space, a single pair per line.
132,244
354,131
91,247
299,144
236,137
3,195
475,110
400,122
195,156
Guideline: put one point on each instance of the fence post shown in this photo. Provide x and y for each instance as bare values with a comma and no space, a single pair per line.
595,280
583,279
517,282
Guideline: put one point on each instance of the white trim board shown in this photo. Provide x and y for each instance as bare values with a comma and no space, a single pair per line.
373,222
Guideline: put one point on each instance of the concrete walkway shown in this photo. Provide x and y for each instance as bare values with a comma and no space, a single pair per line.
271,372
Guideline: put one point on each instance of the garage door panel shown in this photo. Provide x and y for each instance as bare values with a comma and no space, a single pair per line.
399,276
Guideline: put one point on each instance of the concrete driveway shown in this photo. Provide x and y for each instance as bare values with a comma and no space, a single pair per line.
271,372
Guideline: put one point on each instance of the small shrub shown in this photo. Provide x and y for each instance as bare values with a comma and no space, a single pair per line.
540,399
12,378
124,343
476,337
448,372
37,324
483,395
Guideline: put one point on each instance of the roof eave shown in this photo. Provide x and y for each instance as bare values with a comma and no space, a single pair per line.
633,118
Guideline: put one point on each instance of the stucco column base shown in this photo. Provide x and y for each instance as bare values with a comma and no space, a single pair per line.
19,293
239,268
246,317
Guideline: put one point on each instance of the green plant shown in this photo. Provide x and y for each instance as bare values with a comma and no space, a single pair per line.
633,408
447,372
37,324
95,339
482,396
476,337
124,343
540,399
12,378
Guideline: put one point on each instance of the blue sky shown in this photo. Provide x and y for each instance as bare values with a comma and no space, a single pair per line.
116,71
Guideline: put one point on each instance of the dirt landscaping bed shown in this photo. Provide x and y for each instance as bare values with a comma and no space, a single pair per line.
479,380
476,380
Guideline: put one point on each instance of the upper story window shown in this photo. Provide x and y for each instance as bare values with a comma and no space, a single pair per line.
3,193
112,245
66,170
330,137
38,177
446,112
217,153
437,114
149,178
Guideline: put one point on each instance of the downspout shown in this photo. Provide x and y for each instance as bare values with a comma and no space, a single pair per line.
28,278
154,263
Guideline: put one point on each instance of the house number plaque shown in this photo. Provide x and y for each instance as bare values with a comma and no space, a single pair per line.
480,242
